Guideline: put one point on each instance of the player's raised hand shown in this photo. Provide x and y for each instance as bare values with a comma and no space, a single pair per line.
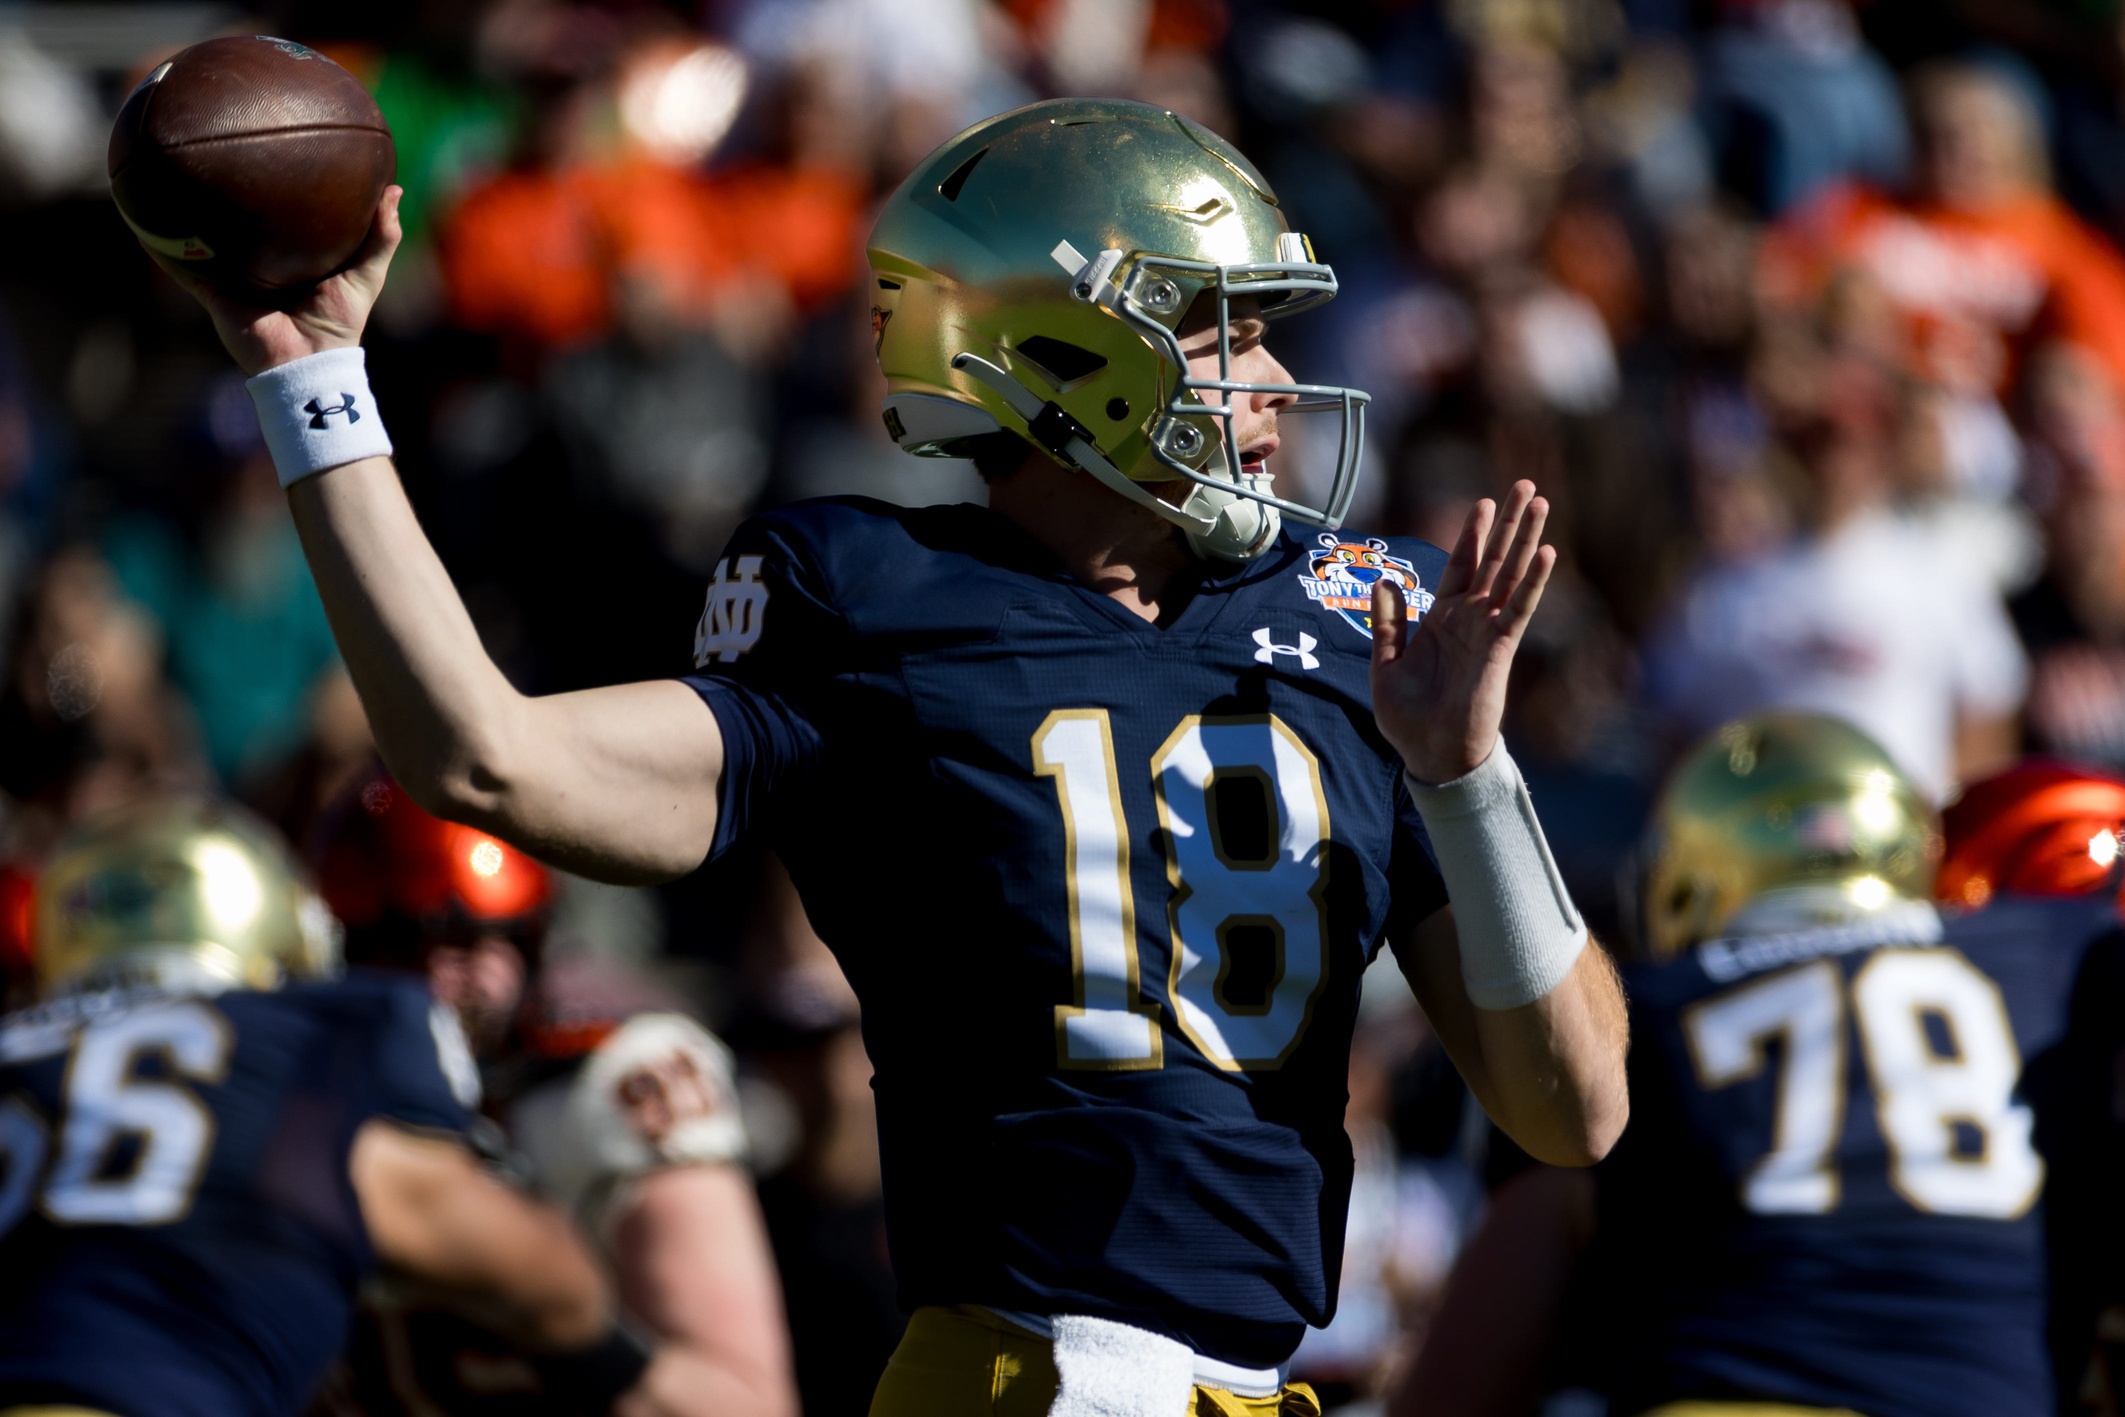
331,316
1438,692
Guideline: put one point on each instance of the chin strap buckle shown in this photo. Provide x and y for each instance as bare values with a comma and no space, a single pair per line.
1046,423
1055,430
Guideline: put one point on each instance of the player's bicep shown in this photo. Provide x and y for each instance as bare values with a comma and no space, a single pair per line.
621,782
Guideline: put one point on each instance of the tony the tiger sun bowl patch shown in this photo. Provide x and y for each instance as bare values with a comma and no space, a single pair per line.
1340,576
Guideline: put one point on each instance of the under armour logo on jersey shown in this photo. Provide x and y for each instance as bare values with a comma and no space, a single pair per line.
319,412
1270,649
736,611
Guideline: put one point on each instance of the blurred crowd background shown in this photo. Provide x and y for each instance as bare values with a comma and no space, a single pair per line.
1809,316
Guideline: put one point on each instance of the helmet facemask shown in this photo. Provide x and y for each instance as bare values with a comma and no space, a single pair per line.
1231,514
1153,287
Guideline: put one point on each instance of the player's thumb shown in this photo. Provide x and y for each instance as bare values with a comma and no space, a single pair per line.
385,233
1387,622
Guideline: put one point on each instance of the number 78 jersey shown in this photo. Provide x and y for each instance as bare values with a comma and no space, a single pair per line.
1830,1192
1105,890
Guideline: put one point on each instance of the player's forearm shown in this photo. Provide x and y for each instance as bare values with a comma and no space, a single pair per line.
1550,1072
434,1214
1554,1069
443,715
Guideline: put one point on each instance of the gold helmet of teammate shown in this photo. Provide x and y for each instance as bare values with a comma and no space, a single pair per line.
1782,821
1031,276
177,890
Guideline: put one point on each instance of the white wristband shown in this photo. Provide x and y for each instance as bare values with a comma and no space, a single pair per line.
1520,933
317,412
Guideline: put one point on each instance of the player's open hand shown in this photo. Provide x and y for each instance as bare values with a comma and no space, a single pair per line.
331,316
1438,692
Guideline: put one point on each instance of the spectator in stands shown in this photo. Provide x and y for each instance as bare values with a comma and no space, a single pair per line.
29,475
1862,614
2072,620
230,595
1980,258
1796,100
86,719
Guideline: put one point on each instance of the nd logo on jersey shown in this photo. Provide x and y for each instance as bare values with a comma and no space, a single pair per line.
1340,576
735,614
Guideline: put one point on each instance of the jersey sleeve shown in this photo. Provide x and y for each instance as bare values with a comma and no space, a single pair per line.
660,1092
423,1069
768,640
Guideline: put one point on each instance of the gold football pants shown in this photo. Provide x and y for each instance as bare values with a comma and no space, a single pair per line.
51,1412
966,1362
1724,1409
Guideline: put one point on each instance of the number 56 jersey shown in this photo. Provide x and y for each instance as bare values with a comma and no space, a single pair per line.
1830,1193
178,1233
1105,890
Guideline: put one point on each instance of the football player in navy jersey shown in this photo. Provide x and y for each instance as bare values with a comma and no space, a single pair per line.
1832,1195
1103,794
612,1105
200,1161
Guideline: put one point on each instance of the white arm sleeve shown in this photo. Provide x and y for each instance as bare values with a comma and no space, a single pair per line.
1520,933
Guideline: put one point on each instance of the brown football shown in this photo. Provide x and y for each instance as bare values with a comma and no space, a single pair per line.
256,161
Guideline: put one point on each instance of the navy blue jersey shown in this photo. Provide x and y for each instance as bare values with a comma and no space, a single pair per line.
1105,891
178,1233
1830,1191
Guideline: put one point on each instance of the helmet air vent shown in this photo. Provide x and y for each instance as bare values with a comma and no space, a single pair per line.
949,188
1062,362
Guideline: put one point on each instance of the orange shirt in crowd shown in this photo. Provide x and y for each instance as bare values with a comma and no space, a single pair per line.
521,254
535,254
2021,272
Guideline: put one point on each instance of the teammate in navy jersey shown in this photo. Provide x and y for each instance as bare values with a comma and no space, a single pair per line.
2046,830
1103,794
1831,1195
198,1163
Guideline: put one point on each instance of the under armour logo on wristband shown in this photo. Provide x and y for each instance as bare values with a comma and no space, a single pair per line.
304,429
1270,649
320,412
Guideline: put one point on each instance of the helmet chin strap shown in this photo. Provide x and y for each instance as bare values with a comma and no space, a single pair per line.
1220,524
1242,527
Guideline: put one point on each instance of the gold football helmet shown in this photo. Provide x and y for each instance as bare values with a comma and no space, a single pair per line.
182,890
1031,276
1782,821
